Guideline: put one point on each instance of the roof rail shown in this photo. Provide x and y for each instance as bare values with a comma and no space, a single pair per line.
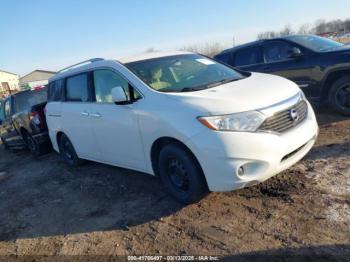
80,64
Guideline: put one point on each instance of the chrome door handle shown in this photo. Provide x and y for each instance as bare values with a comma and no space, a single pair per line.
96,115
84,113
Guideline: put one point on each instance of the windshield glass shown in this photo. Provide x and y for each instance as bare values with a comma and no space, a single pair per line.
25,100
183,73
315,43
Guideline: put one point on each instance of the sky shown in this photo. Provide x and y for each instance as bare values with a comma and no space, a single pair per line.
51,34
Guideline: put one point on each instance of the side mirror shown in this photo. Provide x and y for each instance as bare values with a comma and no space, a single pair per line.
295,52
119,96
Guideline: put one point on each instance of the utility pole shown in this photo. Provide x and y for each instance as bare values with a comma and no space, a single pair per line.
233,41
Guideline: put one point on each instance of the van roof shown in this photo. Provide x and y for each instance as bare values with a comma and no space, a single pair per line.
86,65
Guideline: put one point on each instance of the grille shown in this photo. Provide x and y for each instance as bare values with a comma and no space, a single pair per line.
283,121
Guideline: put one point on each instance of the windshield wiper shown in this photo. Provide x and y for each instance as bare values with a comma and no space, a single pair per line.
214,84
190,89
221,82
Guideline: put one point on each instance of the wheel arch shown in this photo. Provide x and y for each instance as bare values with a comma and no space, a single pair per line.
157,146
330,79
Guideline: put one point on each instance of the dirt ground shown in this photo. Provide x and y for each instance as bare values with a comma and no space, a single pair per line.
47,208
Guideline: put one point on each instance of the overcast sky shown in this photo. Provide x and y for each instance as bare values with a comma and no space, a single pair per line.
51,34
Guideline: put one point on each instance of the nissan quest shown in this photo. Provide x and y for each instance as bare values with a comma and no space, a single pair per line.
198,124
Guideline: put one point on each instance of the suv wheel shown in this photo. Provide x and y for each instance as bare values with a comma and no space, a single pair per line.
67,152
340,95
181,174
32,144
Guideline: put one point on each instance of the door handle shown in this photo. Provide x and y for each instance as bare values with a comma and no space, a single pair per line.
84,113
96,115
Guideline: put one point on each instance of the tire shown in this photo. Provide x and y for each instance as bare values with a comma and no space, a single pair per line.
339,95
68,153
181,174
6,146
33,146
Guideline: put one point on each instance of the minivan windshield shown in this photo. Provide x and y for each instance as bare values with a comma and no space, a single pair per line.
315,43
183,73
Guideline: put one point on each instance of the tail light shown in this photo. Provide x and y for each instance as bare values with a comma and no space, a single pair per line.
34,117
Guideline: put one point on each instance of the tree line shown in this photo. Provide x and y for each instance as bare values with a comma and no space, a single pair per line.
321,26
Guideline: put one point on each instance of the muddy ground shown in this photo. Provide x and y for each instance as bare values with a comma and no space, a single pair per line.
47,208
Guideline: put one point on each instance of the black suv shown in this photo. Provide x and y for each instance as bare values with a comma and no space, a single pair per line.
320,66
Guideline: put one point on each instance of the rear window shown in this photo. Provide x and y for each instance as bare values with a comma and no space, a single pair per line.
77,88
55,90
25,100
247,56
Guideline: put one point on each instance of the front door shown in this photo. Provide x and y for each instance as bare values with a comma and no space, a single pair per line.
115,127
8,132
278,61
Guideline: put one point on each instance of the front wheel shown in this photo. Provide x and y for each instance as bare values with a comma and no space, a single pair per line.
339,95
181,174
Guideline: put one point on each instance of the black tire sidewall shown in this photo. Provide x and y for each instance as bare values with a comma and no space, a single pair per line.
197,187
333,95
36,150
75,161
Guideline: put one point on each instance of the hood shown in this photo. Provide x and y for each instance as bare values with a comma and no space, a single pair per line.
251,93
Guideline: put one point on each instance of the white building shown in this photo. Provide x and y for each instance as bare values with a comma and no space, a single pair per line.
35,79
8,83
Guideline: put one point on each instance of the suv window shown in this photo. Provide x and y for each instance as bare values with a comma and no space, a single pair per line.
77,88
55,90
105,80
277,51
248,56
225,58
7,109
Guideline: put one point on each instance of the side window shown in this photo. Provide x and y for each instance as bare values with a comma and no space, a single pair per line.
7,109
105,80
77,88
55,90
225,58
248,56
277,51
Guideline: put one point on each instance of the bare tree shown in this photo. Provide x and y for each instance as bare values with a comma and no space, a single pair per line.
208,49
305,29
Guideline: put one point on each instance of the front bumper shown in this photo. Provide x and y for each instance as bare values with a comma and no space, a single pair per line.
262,155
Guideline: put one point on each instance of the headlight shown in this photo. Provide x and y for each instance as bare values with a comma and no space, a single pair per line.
246,121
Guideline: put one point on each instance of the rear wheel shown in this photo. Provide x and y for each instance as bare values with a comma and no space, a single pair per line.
32,144
67,152
340,95
181,174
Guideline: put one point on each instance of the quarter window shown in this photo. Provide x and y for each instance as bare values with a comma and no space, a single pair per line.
277,51
55,90
248,56
77,88
7,107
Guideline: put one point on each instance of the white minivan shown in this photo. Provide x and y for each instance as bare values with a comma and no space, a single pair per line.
198,124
